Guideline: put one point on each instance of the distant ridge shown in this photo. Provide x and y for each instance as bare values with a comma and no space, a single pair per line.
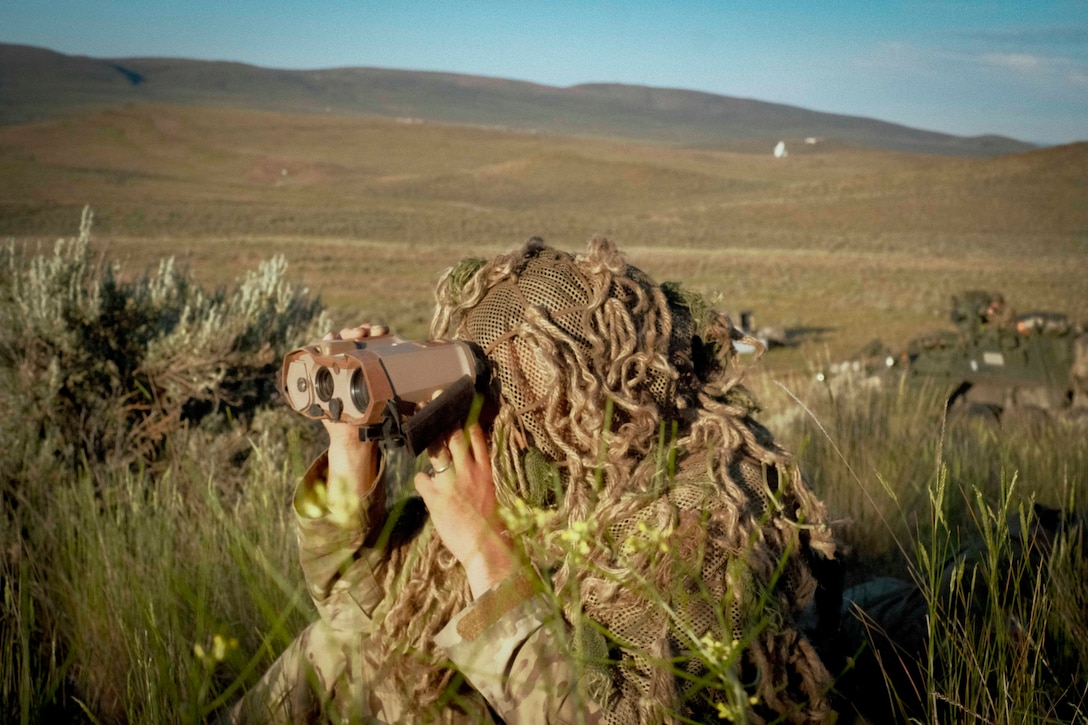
36,83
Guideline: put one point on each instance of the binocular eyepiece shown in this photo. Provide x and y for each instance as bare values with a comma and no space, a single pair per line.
405,392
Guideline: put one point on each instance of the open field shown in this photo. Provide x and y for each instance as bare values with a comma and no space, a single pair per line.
135,445
842,245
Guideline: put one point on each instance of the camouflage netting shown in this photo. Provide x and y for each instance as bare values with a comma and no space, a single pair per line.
621,416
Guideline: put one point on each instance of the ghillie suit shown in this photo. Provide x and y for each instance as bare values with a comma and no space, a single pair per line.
661,511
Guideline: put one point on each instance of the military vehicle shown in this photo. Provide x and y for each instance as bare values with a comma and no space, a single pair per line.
1002,360
769,337
995,360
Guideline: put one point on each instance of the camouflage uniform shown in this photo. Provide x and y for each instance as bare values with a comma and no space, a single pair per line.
568,340
506,643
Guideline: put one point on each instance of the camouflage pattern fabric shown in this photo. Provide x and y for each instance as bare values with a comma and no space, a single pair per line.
506,643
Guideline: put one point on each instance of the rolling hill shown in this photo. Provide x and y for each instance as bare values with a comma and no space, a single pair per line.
368,181
37,83
367,209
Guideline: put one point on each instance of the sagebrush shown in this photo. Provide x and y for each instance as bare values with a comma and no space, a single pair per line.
148,566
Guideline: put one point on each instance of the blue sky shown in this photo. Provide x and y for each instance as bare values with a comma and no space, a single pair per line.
965,67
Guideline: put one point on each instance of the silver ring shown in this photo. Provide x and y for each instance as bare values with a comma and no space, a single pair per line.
444,468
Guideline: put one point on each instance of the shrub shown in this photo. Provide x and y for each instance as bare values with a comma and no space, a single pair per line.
102,370
133,413
148,570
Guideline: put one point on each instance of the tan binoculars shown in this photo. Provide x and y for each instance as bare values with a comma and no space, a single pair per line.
400,391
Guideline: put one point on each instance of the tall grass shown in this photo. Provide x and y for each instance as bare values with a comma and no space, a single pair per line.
980,522
115,587
874,448
145,482
154,582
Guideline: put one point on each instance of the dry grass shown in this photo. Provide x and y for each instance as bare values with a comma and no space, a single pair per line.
840,244
843,244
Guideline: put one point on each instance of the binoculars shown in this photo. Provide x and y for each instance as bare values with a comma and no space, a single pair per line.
402,392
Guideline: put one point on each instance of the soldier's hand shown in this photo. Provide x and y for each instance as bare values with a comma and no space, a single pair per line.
460,495
351,459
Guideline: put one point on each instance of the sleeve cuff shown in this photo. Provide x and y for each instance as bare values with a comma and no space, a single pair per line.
332,531
510,644
308,503
507,612
319,499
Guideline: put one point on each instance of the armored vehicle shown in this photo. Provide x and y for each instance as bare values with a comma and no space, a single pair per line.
998,359
769,337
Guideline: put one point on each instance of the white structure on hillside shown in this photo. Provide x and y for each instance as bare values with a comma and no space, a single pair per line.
780,150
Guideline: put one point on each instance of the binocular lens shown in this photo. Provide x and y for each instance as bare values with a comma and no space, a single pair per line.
323,384
359,395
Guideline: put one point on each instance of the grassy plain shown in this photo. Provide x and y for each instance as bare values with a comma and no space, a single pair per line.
108,563
839,245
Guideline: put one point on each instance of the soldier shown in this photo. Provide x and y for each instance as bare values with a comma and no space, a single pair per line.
998,313
618,541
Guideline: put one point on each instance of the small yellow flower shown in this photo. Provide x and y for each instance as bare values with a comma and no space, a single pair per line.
523,518
343,502
576,538
716,652
220,648
313,503
734,714
646,539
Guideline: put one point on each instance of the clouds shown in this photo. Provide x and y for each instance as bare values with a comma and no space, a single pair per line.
1063,71
1030,37
1049,53
939,58
1019,62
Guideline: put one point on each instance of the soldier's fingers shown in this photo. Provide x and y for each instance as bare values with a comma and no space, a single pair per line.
441,464
477,442
370,329
458,447
425,484
360,332
440,456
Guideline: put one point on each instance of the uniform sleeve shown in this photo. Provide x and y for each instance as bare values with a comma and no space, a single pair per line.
513,648
337,551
